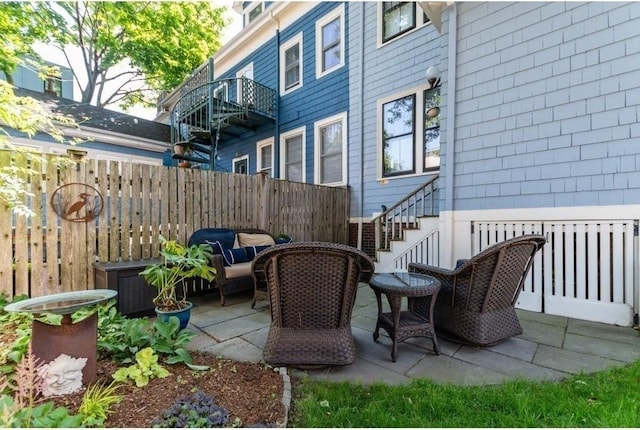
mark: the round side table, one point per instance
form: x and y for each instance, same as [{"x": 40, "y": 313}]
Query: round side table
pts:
[{"x": 401, "y": 325}]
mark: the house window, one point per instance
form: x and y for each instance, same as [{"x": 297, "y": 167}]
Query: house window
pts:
[
  {"x": 241, "y": 165},
  {"x": 291, "y": 64},
  {"x": 409, "y": 133},
  {"x": 432, "y": 102},
  {"x": 264, "y": 149},
  {"x": 397, "y": 18},
  {"x": 221, "y": 91},
  {"x": 398, "y": 136},
  {"x": 53, "y": 86},
  {"x": 254, "y": 13},
  {"x": 293, "y": 155},
  {"x": 330, "y": 149},
  {"x": 330, "y": 42}
]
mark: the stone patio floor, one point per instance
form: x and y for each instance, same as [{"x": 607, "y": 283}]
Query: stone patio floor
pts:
[{"x": 550, "y": 348}]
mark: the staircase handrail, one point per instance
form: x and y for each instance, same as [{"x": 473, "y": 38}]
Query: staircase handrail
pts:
[{"x": 391, "y": 223}]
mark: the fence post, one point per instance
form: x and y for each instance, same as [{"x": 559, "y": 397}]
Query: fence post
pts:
[{"x": 263, "y": 200}]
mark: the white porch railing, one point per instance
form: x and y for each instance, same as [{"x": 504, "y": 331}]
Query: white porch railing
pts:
[{"x": 586, "y": 270}]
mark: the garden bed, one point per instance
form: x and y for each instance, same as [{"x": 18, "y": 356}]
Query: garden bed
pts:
[{"x": 251, "y": 393}]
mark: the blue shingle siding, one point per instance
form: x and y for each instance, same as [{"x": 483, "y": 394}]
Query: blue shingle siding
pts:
[
  {"x": 564, "y": 80},
  {"x": 376, "y": 73},
  {"x": 315, "y": 100}
]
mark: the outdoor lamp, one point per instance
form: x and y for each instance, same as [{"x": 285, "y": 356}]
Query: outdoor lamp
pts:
[{"x": 433, "y": 76}]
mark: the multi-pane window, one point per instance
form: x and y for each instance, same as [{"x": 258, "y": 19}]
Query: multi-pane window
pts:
[
  {"x": 409, "y": 133},
  {"x": 255, "y": 12},
  {"x": 432, "y": 103},
  {"x": 291, "y": 64},
  {"x": 330, "y": 147},
  {"x": 397, "y": 18},
  {"x": 265, "y": 156},
  {"x": 331, "y": 45},
  {"x": 293, "y": 158},
  {"x": 330, "y": 42},
  {"x": 398, "y": 136}
]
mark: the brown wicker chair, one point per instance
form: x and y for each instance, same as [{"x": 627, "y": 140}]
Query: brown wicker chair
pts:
[
  {"x": 477, "y": 298},
  {"x": 312, "y": 288}
]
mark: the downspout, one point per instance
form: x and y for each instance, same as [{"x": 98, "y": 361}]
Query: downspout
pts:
[
  {"x": 214, "y": 146},
  {"x": 361, "y": 102},
  {"x": 276, "y": 131},
  {"x": 451, "y": 127}
]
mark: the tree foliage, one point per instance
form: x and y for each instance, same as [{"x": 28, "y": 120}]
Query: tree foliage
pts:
[
  {"x": 22, "y": 24},
  {"x": 159, "y": 42}
]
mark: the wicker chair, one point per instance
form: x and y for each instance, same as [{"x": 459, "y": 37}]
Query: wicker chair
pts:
[
  {"x": 477, "y": 300},
  {"x": 312, "y": 288}
]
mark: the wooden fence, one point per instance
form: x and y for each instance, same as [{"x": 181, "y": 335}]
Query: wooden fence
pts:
[{"x": 48, "y": 254}]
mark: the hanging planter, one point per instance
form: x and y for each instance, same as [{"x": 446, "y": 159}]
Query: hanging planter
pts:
[{"x": 178, "y": 149}]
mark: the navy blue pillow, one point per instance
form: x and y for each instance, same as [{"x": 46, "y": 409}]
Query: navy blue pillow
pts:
[
  {"x": 225, "y": 236},
  {"x": 252, "y": 251},
  {"x": 215, "y": 246},
  {"x": 230, "y": 256},
  {"x": 234, "y": 255},
  {"x": 280, "y": 240}
]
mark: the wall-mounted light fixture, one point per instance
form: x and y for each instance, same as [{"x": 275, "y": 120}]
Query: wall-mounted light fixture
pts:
[{"x": 433, "y": 76}]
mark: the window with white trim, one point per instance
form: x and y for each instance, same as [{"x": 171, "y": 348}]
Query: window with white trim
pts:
[
  {"x": 397, "y": 18},
  {"x": 291, "y": 64},
  {"x": 330, "y": 148},
  {"x": 253, "y": 13},
  {"x": 409, "y": 133},
  {"x": 292, "y": 158},
  {"x": 241, "y": 164},
  {"x": 221, "y": 91},
  {"x": 264, "y": 149},
  {"x": 398, "y": 136},
  {"x": 330, "y": 42}
]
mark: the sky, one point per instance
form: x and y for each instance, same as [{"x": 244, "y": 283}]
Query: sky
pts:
[{"x": 56, "y": 57}]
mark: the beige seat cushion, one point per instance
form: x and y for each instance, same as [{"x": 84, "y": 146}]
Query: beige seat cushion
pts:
[
  {"x": 238, "y": 270},
  {"x": 255, "y": 239}
]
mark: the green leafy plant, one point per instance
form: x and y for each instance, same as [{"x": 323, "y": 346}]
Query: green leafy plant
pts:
[
  {"x": 170, "y": 340},
  {"x": 19, "y": 410},
  {"x": 96, "y": 404},
  {"x": 123, "y": 345},
  {"x": 196, "y": 411},
  {"x": 145, "y": 368},
  {"x": 179, "y": 263},
  {"x": 18, "y": 323}
]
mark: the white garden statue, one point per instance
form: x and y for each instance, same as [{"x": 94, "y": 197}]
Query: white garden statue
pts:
[{"x": 62, "y": 375}]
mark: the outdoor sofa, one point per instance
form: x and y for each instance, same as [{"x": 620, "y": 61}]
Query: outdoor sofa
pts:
[{"x": 234, "y": 250}]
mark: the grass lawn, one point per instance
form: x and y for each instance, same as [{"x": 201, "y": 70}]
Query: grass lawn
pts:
[{"x": 605, "y": 399}]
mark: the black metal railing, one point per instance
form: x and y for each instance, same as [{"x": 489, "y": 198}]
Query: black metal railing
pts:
[{"x": 214, "y": 105}]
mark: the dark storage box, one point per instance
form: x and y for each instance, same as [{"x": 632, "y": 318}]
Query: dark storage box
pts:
[{"x": 135, "y": 296}]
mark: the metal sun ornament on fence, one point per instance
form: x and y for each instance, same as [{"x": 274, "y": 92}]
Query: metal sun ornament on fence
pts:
[{"x": 77, "y": 202}]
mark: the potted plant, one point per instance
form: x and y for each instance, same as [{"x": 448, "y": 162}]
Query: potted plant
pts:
[{"x": 178, "y": 264}]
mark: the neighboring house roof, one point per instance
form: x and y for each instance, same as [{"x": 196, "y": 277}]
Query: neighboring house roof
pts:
[{"x": 96, "y": 118}]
